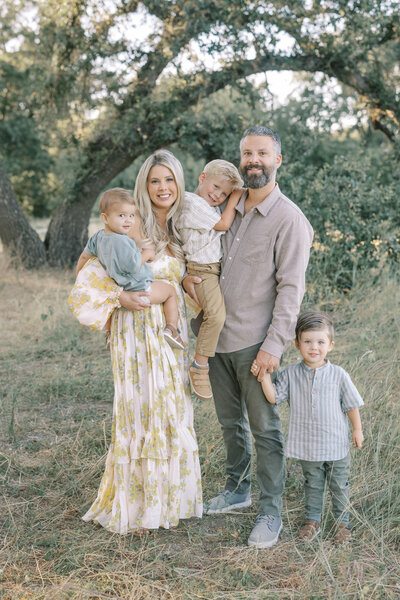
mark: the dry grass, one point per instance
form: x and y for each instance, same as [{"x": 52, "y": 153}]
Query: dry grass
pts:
[{"x": 56, "y": 407}]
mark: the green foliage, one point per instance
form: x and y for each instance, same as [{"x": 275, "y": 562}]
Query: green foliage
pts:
[
  {"x": 26, "y": 159},
  {"x": 352, "y": 202}
]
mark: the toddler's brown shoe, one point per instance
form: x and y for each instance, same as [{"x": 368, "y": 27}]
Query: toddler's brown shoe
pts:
[
  {"x": 200, "y": 382},
  {"x": 343, "y": 533},
  {"x": 309, "y": 531}
]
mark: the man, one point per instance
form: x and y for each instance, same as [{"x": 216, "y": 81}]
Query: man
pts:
[{"x": 265, "y": 256}]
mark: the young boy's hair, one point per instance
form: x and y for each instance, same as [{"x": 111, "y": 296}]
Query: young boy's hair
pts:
[
  {"x": 314, "y": 321},
  {"x": 114, "y": 196},
  {"x": 223, "y": 168}
]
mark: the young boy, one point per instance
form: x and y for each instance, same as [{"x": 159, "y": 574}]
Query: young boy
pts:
[
  {"x": 320, "y": 395},
  {"x": 122, "y": 260},
  {"x": 201, "y": 225}
]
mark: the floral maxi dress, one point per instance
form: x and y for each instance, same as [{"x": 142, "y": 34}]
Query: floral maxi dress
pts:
[{"x": 152, "y": 473}]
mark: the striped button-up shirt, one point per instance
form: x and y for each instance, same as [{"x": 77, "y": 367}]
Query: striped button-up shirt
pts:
[
  {"x": 319, "y": 400},
  {"x": 201, "y": 243},
  {"x": 265, "y": 256}
]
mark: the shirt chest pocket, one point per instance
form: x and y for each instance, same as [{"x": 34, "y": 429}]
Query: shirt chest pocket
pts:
[{"x": 257, "y": 249}]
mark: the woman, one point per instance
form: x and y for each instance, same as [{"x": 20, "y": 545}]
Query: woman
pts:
[{"x": 152, "y": 474}]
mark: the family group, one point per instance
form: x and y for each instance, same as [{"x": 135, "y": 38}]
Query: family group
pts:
[{"x": 239, "y": 248}]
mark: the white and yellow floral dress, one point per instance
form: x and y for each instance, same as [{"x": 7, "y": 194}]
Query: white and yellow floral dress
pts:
[{"x": 152, "y": 475}]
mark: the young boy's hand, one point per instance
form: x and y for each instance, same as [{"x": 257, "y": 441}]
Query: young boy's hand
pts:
[
  {"x": 235, "y": 196},
  {"x": 357, "y": 438},
  {"x": 266, "y": 383}
]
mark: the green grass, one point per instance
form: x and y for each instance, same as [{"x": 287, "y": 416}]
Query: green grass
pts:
[{"x": 56, "y": 404}]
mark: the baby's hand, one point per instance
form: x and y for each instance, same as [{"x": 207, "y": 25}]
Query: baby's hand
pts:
[
  {"x": 357, "y": 438},
  {"x": 235, "y": 196},
  {"x": 148, "y": 254}
]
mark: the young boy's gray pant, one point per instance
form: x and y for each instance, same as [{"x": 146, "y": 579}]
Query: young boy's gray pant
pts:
[
  {"x": 336, "y": 475},
  {"x": 242, "y": 407}
]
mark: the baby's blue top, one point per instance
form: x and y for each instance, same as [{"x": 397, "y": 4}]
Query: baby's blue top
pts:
[{"x": 119, "y": 255}]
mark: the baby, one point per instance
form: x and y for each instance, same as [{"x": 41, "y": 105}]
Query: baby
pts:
[{"x": 122, "y": 260}]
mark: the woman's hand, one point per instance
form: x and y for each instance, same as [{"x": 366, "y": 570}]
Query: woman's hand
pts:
[
  {"x": 134, "y": 300},
  {"x": 189, "y": 286}
]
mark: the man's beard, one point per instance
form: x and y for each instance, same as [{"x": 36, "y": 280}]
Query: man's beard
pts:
[{"x": 254, "y": 181}]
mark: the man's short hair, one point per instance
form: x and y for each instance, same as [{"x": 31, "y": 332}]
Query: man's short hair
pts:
[
  {"x": 223, "y": 168},
  {"x": 314, "y": 321},
  {"x": 114, "y": 196},
  {"x": 261, "y": 130}
]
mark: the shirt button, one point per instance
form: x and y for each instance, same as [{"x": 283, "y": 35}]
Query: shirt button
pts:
[
  {"x": 222, "y": 277},
  {"x": 230, "y": 257},
  {"x": 237, "y": 239}
]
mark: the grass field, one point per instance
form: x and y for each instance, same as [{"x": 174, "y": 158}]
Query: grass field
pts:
[{"x": 56, "y": 406}]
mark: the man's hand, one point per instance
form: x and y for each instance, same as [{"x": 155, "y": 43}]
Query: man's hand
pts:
[
  {"x": 189, "y": 286},
  {"x": 264, "y": 363},
  {"x": 134, "y": 300}
]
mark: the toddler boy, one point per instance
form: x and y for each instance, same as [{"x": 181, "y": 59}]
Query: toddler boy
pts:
[
  {"x": 122, "y": 260},
  {"x": 320, "y": 395},
  {"x": 201, "y": 226}
]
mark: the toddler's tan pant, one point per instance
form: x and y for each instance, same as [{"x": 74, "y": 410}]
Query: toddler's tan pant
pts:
[{"x": 212, "y": 302}]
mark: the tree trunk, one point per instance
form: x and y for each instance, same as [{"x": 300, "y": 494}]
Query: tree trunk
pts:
[
  {"x": 19, "y": 239},
  {"x": 67, "y": 233}
]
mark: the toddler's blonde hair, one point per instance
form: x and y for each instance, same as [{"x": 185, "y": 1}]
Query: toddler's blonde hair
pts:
[
  {"x": 223, "y": 168},
  {"x": 114, "y": 196}
]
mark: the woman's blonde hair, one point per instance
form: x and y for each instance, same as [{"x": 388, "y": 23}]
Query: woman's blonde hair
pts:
[{"x": 141, "y": 197}]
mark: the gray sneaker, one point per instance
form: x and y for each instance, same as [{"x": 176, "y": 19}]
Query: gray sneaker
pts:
[
  {"x": 266, "y": 531},
  {"x": 226, "y": 501}
]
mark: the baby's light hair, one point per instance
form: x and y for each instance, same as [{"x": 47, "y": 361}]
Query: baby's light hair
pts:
[
  {"x": 314, "y": 321},
  {"x": 223, "y": 168},
  {"x": 114, "y": 196}
]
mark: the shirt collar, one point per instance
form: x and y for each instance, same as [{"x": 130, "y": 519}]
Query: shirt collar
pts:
[
  {"x": 308, "y": 369},
  {"x": 265, "y": 206}
]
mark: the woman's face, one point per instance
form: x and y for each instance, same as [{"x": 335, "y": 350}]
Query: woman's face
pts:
[{"x": 162, "y": 188}]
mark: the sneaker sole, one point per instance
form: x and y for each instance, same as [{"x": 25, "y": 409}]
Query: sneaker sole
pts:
[
  {"x": 198, "y": 395},
  {"x": 173, "y": 342},
  {"x": 229, "y": 508},
  {"x": 266, "y": 544}
]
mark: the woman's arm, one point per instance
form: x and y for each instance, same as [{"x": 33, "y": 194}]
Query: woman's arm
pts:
[{"x": 82, "y": 260}]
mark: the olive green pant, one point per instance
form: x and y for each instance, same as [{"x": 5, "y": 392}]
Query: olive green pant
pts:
[
  {"x": 333, "y": 473},
  {"x": 242, "y": 409},
  {"x": 213, "y": 305}
]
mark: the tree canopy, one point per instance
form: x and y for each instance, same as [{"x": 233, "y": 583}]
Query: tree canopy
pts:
[{"x": 91, "y": 85}]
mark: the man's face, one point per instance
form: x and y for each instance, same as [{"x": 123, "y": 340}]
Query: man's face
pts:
[{"x": 258, "y": 161}]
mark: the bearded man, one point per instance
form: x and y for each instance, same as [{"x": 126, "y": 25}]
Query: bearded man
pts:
[{"x": 265, "y": 256}]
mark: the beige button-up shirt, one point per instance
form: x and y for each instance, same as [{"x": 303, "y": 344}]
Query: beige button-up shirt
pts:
[
  {"x": 201, "y": 243},
  {"x": 265, "y": 256}
]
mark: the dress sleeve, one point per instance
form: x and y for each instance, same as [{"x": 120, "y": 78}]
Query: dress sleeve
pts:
[{"x": 94, "y": 296}]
